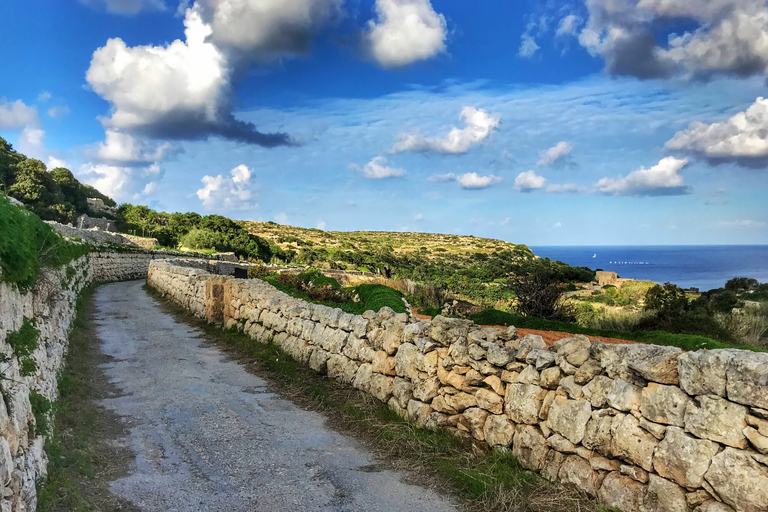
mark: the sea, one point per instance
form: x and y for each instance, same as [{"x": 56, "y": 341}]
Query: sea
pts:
[{"x": 688, "y": 266}]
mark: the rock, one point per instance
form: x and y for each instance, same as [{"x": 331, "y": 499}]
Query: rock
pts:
[
  {"x": 561, "y": 444},
  {"x": 758, "y": 423},
  {"x": 527, "y": 343},
  {"x": 498, "y": 431},
  {"x": 740, "y": 481},
  {"x": 473, "y": 378},
  {"x": 664, "y": 404},
  {"x": 509, "y": 334},
  {"x": 552, "y": 464},
  {"x": 546, "y": 404},
  {"x": 495, "y": 383},
  {"x": 703, "y": 372},
  {"x": 550, "y": 378},
  {"x": 624, "y": 396},
  {"x": 684, "y": 459},
  {"x": 596, "y": 391},
  {"x": 460, "y": 401},
  {"x": 507, "y": 376},
  {"x": 571, "y": 389},
  {"x": 748, "y": 378},
  {"x": 446, "y": 331},
  {"x": 523, "y": 402},
  {"x": 383, "y": 364},
  {"x": 475, "y": 418},
  {"x": 696, "y": 498},
  {"x": 663, "y": 496},
  {"x": 363, "y": 378},
  {"x": 569, "y": 418},
  {"x": 402, "y": 391},
  {"x": 382, "y": 386},
  {"x": 614, "y": 359},
  {"x": 437, "y": 420},
  {"x": 631, "y": 443},
  {"x": 597, "y": 435},
  {"x": 425, "y": 388},
  {"x": 6, "y": 461},
  {"x": 419, "y": 412},
  {"x": 319, "y": 359},
  {"x": 441, "y": 405},
  {"x": 578, "y": 472},
  {"x": 541, "y": 358},
  {"x": 416, "y": 331},
  {"x": 621, "y": 492},
  {"x": 489, "y": 401},
  {"x": 575, "y": 350},
  {"x": 655, "y": 363},
  {"x": 500, "y": 356},
  {"x": 654, "y": 429},
  {"x": 713, "y": 506},
  {"x": 530, "y": 446},
  {"x": 717, "y": 420},
  {"x": 588, "y": 371},
  {"x": 529, "y": 376},
  {"x": 405, "y": 361},
  {"x": 476, "y": 352},
  {"x": 635, "y": 473},
  {"x": 758, "y": 441}
]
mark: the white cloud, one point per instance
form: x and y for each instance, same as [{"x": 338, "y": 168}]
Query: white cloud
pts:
[
  {"x": 506, "y": 221},
  {"x": 728, "y": 36},
  {"x": 663, "y": 179},
  {"x": 528, "y": 181},
  {"x": 267, "y": 29},
  {"x": 568, "y": 25},
  {"x": 377, "y": 169},
  {"x": 177, "y": 91},
  {"x": 119, "y": 182},
  {"x": 558, "y": 225},
  {"x": 741, "y": 224},
  {"x": 123, "y": 149},
  {"x": 564, "y": 188},
  {"x": 126, "y": 7},
  {"x": 405, "y": 31},
  {"x": 555, "y": 153},
  {"x": 418, "y": 217},
  {"x": 535, "y": 28},
  {"x": 320, "y": 225},
  {"x": 58, "y": 111},
  {"x": 54, "y": 162},
  {"x": 480, "y": 125},
  {"x": 16, "y": 115},
  {"x": 470, "y": 180},
  {"x": 281, "y": 218},
  {"x": 528, "y": 46},
  {"x": 43, "y": 97},
  {"x": 220, "y": 193},
  {"x": 743, "y": 138}
]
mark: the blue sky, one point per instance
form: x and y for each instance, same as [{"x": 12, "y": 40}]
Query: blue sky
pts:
[{"x": 545, "y": 123}]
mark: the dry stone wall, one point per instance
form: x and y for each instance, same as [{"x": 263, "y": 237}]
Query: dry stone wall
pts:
[{"x": 644, "y": 428}]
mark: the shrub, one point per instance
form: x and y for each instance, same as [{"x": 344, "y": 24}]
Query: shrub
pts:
[
  {"x": 540, "y": 294},
  {"x": 41, "y": 409},
  {"x": 24, "y": 342}
]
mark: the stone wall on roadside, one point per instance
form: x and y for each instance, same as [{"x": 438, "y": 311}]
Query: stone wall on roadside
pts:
[{"x": 642, "y": 427}]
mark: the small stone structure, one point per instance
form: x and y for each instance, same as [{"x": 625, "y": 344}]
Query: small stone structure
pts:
[
  {"x": 97, "y": 206},
  {"x": 644, "y": 428},
  {"x": 143, "y": 242},
  {"x": 86, "y": 222}
]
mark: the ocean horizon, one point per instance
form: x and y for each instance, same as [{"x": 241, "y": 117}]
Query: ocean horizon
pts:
[{"x": 689, "y": 266}]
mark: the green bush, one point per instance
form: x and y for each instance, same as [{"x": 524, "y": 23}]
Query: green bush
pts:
[
  {"x": 41, "y": 409},
  {"x": 375, "y": 297}
]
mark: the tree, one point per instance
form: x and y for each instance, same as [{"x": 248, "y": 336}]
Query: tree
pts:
[
  {"x": 540, "y": 293},
  {"x": 740, "y": 284},
  {"x": 667, "y": 300}
]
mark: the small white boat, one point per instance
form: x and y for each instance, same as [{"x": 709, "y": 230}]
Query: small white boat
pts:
[{"x": 594, "y": 256}]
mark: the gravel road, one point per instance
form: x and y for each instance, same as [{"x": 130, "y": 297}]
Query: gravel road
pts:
[{"x": 209, "y": 437}]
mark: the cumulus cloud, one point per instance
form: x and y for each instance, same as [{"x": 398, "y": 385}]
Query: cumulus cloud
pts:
[
  {"x": 264, "y": 30},
  {"x": 470, "y": 180},
  {"x": 554, "y": 154},
  {"x": 227, "y": 193},
  {"x": 728, "y": 37},
  {"x": 16, "y": 115},
  {"x": 377, "y": 169},
  {"x": 126, "y": 7},
  {"x": 122, "y": 183},
  {"x": 663, "y": 179},
  {"x": 742, "y": 139},
  {"x": 177, "y": 91},
  {"x": 404, "y": 32},
  {"x": 123, "y": 149},
  {"x": 54, "y": 162},
  {"x": 479, "y": 126},
  {"x": 529, "y": 181}
]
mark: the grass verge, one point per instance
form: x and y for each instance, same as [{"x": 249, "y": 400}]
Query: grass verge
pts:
[
  {"x": 83, "y": 457},
  {"x": 484, "y": 481},
  {"x": 684, "y": 341}
]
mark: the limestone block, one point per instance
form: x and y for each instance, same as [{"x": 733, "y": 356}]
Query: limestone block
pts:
[
  {"x": 635, "y": 473},
  {"x": 498, "y": 430},
  {"x": 757, "y": 440},
  {"x": 664, "y": 404},
  {"x": 383, "y": 364},
  {"x": 713, "y": 506},
  {"x": 624, "y": 396},
  {"x": 446, "y": 331},
  {"x": 588, "y": 371},
  {"x": 440, "y": 404},
  {"x": 569, "y": 418},
  {"x": 614, "y": 359},
  {"x": 425, "y": 388},
  {"x": 529, "y": 375},
  {"x": 363, "y": 378},
  {"x": 597, "y": 435},
  {"x": 476, "y": 352},
  {"x": 663, "y": 496},
  {"x": 359, "y": 326},
  {"x": 550, "y": 378},
  {"x": 336, "y": 365},
  {"x": 561, "y": 444},
  {"x": 495, "y": 383},
  {"x": 489, "y": 400},
  {"x": 758, "y": 423},
  {"x": 546, "y": 404},
  {"x": 575, "y": 350},
  {"x": 523, "y": 402},
  {"x": 716, "y": 419},
  {"x": 402, "y": 391},
  {"x": 621, "y": 492},
  {"x": 631, "y": 443},
  {"x": 530, "y": 446},
  {"x": 499, "y": 355},
  {"x": 428, "y": 363},
  {"x": 656, "y": 430},
  {"x": 414, "y": 331},
  {"x": 684, "y": 459},
  {"x": 540, "y": 358},
  {"x": 703, "y": 372},
  {"x": 739, "y": 480},
  {"x": 578, "y": 472},
  {"x": 460, "y": 401},
  {"x": 353, "y": 346},
  {"x": 596, "y": 390},
  {"x": 747, "y": 381},
  {"x": 473, "y": 378},
  {"x": 419, "y": 412},
  {"x": 475, "y": 420},
  {"x": 382, "y": 386},
  {"x": 405, "y": 361},
  {"x": 569, "y": 386},
  {"x": 527, "y": 343}
]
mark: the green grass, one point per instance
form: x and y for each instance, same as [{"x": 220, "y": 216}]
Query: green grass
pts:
[
  {"x": 41, "y": 409},
  {"x": 24, "y": 342},
  {"x": 684, "y": 341},
  {"x": 436, "y": 458}
]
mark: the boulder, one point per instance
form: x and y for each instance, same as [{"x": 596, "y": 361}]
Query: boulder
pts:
[
  {"x": 739, "y": 480},
  {"x": 578, "y": 472},
  {"x": 747, "y": 381},
  {"x": 405, "y": 361},
  {"x": 490, "y": 401},
  {"x": 498, "y": 430},
  {"x": 446, "y": 331},
  {"x": 402, "y": 391},
  {"x": 621, "y": 492},
  {"x": 550, "y": 378},
  {"x": 571, "y": 389},
  {"x": 575, "y": 350},
  {"x": 664, "y": 404},
  {"x": 569, "y": 418},
  {"x": 588, "y": 371},
  {"x": 523, "y": 402},
  {"x": 624, "y": 396},
  {"x": 596, "y": 390},
  {"x": 655, "y": 363},
  {"x": 663, "y": 496},
  {"x": 475, "y": 419},
  {"x": 460, "y": 401},
  {"x": 530, "y": 446},
  {"x": 425, "y": 388},
  {"x": 383, "y": 363},
  {"x": 703, "y": 372},
  {"x": 631, "y": 443},
  {"x": 597, "y": 435},
  {"x": 527, "y": 343},
  {"x": 716, "y": 419},
  {"x": 499, "y": 355},
  {"x": 683, "y": 458}
]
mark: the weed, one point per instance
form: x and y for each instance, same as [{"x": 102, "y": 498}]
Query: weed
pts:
[
  {"x": 24, "y": 342},
  {"x": 41, "y": 409}
]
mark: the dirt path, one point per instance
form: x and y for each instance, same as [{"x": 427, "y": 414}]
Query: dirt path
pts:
[{"x": 208, "y": 436}]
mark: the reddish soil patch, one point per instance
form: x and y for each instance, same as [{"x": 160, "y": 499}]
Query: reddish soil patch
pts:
[{"x": 549, "y": 336}]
